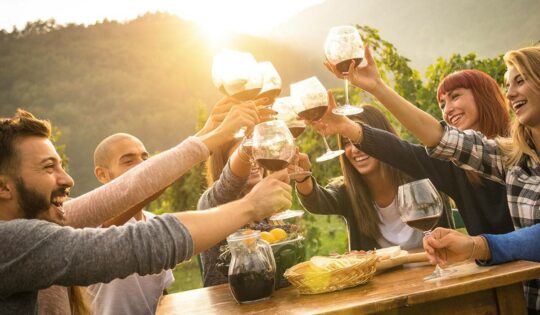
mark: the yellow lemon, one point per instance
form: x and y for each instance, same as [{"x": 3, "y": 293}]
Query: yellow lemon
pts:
[
  {"x": 279, "y": 234},
  {"x": 267, "y": 236}
]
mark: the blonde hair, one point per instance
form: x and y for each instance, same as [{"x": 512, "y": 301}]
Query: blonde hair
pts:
[{"x": 527, "y": 63}]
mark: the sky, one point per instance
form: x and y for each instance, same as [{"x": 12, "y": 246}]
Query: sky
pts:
[{"x": 255, "y": 17}]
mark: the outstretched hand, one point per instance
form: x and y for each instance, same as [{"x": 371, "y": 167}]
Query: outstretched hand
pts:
[
  {"x": 270, "y": 195},
  {"x": 446, "y": 246},
  {"x": 366, "y": 77}
]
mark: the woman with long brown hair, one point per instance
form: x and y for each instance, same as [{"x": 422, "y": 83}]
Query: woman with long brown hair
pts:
[{"x": 365, "y": 195}]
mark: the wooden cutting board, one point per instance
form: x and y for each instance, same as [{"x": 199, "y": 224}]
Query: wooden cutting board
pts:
[{"x": 400, "y": 260}]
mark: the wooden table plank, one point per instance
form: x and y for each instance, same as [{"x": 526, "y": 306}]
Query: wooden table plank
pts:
[{"x": 385, "y": 292}]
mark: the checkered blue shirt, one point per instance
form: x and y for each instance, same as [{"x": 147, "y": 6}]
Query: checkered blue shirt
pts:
[{"x": 471, "y": 150}]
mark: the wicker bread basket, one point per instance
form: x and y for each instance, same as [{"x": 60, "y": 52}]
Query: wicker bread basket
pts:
[{"x": 326, "y": 274}]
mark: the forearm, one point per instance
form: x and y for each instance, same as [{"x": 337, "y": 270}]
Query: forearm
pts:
[
  {"x": 221, "y": 221},
  {"x": 135, "y": 186},
  {"x": 421, "y": 124},
  {"x": 240, "y": 164},
  {"x": 226, "y": 189},
  {"x": 67, "y": 256},
  {"x": 321, "y": 200},
  {"x": 521, "y": 244}
]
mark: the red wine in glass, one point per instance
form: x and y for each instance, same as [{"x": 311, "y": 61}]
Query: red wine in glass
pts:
[
  {"x": 344, "y": 65},
  {"x": 314, "y": 113},
  {"x": 425, "y": 223},
  {"x": 297, "y": 131},
  {"x": 273, "y": 165}
]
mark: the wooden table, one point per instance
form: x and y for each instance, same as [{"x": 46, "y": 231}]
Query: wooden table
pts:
[{"x": 400, "y": 291}]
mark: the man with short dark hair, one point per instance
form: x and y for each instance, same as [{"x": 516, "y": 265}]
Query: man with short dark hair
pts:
[{"x": 36, "y": 252}]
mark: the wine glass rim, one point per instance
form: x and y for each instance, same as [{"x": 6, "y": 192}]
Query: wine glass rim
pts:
[{"x": 416, "y": 182}]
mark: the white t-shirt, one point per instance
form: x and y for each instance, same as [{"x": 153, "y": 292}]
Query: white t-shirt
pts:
[
  {"x": 394, "y": 231},
  {"x": 133, "y": 295}
]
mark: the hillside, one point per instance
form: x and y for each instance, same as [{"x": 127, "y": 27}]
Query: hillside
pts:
[
  {"x": 145, "y": 77},
  {"x": 423, "y": 30}
]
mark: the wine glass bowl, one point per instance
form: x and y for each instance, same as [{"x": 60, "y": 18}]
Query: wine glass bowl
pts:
[
  {"x": 273, "y": 145},
  {"x": 420, "y": 204},
  {"x": 236, "y": 74},
  {"x": 343, "y": 45},
  {"x": 286, "y": 108},
  {"x": 271, "y": 87},
  {"x": 314, "y": 104}
]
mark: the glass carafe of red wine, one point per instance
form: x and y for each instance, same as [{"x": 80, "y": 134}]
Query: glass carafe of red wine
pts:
[
  {"x": 252, "y": 269},
  {"x": 420, "y": 207},
  {"x": 343, "y": 46}
]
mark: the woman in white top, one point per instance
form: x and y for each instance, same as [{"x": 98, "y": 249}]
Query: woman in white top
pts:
[{"x": 365, "y": 195}]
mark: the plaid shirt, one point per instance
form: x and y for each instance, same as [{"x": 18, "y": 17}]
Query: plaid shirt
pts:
[{"x": 471, "y": 150}]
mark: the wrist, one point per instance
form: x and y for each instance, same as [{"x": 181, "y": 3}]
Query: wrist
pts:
[
  {"x": 379, "y": 89},
  {"x": 303, "y": 180},
  {"x": 480, "y": 249},
  {"x": 214, "y": 139},
  {"x": 247, "y": 208}
]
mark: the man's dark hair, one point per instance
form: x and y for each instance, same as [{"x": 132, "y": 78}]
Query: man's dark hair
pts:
[{"x": 23, "y": 124}]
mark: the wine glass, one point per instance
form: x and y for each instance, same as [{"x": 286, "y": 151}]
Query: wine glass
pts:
[
  {"x": 271, "y": 82},
  {"x": 314, "y": 103},
  {"x": 420, "y": 207},
  {"x": 237, "y": 74},
  {"x": 285, "y": 109},
  {"x": 273, "y": 146},
  {"x": 343, "y": 46}
]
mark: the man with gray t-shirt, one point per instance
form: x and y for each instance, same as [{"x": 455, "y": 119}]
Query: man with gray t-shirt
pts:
[
  {"x": 36, "y": 251},
  {"x": 135, "y": 294}
]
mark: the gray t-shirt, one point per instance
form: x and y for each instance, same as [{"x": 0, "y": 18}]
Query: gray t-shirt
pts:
[{"x": 35, "y": 254}]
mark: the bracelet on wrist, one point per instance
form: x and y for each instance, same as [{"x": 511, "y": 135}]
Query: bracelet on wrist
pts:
[
  {"x": 471, "y": 256},
  {"x": 303, "y": 180}
]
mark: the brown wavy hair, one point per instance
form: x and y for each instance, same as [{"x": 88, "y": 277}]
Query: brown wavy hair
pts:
[{"x": 367, "y": 218}]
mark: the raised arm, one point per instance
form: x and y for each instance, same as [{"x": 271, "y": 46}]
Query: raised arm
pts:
[
  {"x": 425, "y": 127},
  {"x": 146, "y": 179}
]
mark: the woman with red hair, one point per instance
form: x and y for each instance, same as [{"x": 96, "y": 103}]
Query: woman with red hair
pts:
[{"x": 468, "y": 99}]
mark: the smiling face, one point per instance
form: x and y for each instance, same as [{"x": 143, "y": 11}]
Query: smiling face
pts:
[
  {"x": 42, "y": 185},
  {"x": 523, "y": 97},
  {"x": 122, "y": 154},
  {"x": 459, "y": 109},
  {"x": 363, "y": 163}
]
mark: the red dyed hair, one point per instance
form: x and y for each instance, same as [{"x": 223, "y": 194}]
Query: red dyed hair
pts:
[{"x": 493, "y": 112}]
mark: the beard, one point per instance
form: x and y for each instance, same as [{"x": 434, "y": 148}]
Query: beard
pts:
[{"x": 33, "y": 204}]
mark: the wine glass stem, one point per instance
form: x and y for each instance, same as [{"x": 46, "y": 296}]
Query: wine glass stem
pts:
[
  {"x": 346, "y": 91},
  {"x": 326, "y": 143}
]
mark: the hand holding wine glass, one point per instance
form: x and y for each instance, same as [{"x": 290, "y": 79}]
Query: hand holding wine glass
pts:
[
  {"x": 237, "y": 74},
  {"x": 314, "y": 104},
  {"x": 366, "y": 77},
  {"x": 243, "y": 115},
  {"x": 420, "y": 207},
  {"x": 343, "y": 49},
  {"x": 331, "y": 124}
]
